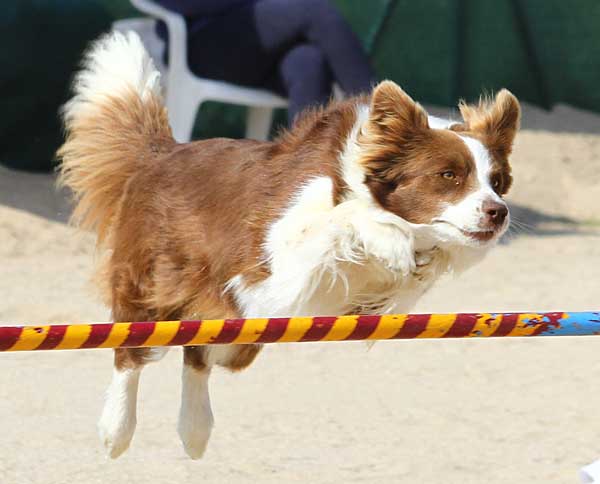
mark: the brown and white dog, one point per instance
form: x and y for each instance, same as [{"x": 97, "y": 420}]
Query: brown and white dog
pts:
[{"x": 357, "y": 209}]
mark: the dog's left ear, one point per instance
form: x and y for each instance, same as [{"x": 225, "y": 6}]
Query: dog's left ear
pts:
[
  {"x": 394, "y": 113},
  {"x": 395, "y": 123},
  {"x": 498, "y": 121}
]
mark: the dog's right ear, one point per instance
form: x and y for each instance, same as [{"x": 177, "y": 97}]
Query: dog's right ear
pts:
[
  {"x": 497, "y": 120},
  {"x": 394, "y": 113}
]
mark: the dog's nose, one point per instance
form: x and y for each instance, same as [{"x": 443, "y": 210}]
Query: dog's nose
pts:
[{"x": 495, "y": 213}]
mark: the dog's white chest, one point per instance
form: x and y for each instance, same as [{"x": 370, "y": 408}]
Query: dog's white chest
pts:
[{"x": 365, "y": 288}]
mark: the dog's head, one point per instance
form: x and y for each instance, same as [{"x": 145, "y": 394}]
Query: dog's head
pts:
[{"x": 451, "y": 180}]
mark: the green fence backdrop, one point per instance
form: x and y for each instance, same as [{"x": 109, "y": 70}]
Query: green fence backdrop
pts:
[{"x": 546, "y": 51}]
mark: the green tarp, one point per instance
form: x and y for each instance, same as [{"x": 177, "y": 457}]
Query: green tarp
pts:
[{"x": 545, "y": 51}]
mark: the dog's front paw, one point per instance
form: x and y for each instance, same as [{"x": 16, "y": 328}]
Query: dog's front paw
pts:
[
  {"x": 195, "y": 436},
  {"x": 374, "y": 233},
  {"x": 392, "y": 249},
  {"x": 425, "y": 257},
  {"x": 428, "y": 263}
]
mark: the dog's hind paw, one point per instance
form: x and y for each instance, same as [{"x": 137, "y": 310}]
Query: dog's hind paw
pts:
[
  {"x": 195, "y": 440},
  {"x": 117, "y": 422},
  {"x": 116, "y": 439},
  {"x": 115, "y": 431}
]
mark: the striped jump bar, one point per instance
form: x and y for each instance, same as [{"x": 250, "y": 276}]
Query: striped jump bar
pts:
[{"x": 288, "y": 330}]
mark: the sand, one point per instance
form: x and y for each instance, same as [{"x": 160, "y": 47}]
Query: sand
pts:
[{"x": 470, "y": 411}]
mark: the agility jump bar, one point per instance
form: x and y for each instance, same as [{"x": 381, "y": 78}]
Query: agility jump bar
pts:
[{"x": 297, "y": 329}]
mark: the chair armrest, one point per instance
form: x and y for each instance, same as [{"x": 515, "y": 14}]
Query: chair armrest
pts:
[{"x": 177, "y": 32}]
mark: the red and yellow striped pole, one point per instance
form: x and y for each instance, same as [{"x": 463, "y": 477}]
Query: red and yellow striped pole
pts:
[{"x": 287, "y": 330}]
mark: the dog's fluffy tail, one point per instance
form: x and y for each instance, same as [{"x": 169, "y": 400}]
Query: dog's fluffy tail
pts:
[{"x": 116, "y": 125}]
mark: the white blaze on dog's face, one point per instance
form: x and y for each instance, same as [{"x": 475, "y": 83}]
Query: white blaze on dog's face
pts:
[{"x": 451, "y": 179}]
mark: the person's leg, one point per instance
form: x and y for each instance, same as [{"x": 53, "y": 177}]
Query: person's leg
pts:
[
  {"x": 255, "y": 46},
  {"x": 245, "y": 45},
  {"x": 305, "y": 76},
  {"x": 281, "y": 23},
  {"x": 229, "y": 49}
]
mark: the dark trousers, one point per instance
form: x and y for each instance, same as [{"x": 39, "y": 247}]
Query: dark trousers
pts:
[{"x": 296, "y": 48}]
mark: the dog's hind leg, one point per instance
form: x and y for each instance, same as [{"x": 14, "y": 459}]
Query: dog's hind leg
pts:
[
  {"x": 195, "y": 416},
  {"x": 118, "y": 420}
]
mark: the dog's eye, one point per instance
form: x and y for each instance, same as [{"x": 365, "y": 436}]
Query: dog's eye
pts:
[
  {"x": 449, "y": 175},
  {"x": 496, "y": 183}
]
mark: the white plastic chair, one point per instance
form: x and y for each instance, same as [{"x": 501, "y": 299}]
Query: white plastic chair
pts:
[{"x": 185, "y": 92}]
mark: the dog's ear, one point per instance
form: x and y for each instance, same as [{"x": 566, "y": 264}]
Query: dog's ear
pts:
[
  {"x": 497, "y": 120},
  {"x": 394, "y": 113},
  {"x": 395, "y": 123}
]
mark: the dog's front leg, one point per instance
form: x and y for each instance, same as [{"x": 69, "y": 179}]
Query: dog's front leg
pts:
[{"x": 371, "y": 232}]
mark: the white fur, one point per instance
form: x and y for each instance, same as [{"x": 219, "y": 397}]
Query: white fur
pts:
[
  {"x": 439, "y": 123},
  {"x": 195, "y": 415},
  {"x": 114, "y": 64},
  {"x": 352, "y": 173},
  {"x": 118, "y": 420}
]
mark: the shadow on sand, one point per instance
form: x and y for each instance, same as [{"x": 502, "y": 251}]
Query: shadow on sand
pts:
[{"x": 533, "y": 222}]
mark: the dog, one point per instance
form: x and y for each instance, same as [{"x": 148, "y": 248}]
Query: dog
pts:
[{"x": 357, "y": 209}]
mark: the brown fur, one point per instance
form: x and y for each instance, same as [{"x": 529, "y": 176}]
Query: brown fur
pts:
[
  {"x": 104, "y": 151},
  {"x": 195, "y": 356},
  {"x": 131, "y": 358},
  {"x": 179, "y": 221},
  {"x": 196, "y": 217},
  {"x": 244, "y": 357}
]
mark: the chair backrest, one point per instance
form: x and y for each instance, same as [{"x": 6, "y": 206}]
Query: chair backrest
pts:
[
  {"x": 177, "y": 34},
  {"x": 147, "y": 6}
]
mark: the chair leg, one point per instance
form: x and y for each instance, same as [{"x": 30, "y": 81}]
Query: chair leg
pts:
[
  {"x": 338, "y": 93},
  {"x": 182, "y": 116},
  {"x": 258, "y": 123}
]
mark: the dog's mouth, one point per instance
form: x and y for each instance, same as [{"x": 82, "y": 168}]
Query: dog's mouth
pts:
[{"x": 480, "y": 235}]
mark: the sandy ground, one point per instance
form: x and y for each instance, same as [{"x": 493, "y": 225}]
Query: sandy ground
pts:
[{"x": 432, "y": 412}]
